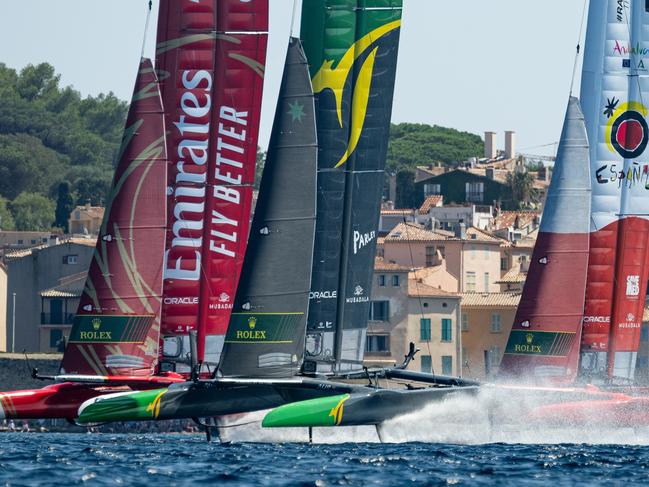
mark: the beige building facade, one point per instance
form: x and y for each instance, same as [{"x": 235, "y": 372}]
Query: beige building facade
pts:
[
  {"x": 434, "y": 328},
  {"x": 486, "y": 321},
  {"x": 21, "y": 240},
  {"x": 86, "y": 220},
  {"x": 473, "y": 257},
  {"x": 404, "y": 309}
]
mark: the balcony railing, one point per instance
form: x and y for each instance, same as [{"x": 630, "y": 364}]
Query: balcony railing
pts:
[{"x": 57, "y": 318}]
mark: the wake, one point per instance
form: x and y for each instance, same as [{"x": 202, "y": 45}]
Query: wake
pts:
[{"x": 494, "y": 415}]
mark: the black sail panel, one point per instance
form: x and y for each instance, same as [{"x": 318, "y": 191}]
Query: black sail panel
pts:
[
  {"x": 265, "y": 337},
  {"x": 328, "y": 33},
  {"x": 352, "y": 49},
  {"x": 375, "y": 73}
]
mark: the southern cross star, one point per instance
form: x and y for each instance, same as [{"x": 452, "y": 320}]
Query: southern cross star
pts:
[{"x": 296, "y": 111}]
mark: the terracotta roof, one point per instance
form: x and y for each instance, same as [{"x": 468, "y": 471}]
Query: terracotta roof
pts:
[
  {"x": 68, "y": 287},
  {"x": 398, "y": 212},
  {"x": 490, "y": 300},
  {"x": 508, "y": 219},
  {"x": 424, "y": 272},
  {"x": 432, "y": 201},
  {"x": 55, "y": 293},
  {"x": 91, "y": 211},
  {"x": 513, "y": 276},
  {"x": 89, "y": 242},
  {"x": 499, "y": 163},
  {"x": 413, "y": 232},
  {"x": 380, "y": 264},
  {"x": 18, "y": 254},
  {"x": 500, "y": 175},
  {"x": 417, "y": 289},
  {"x": 481, "y": 236}
]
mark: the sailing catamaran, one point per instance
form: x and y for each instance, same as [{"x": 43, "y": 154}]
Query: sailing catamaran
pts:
[
  {"x": 146, "y": 292},
  {"x": 595, "y": 299},
  {"x": 295, "y": 342},
  {"x": 113, "y": 344},
  {"x": 264, "y": 363},
  {"x": 581, "y": 311}
]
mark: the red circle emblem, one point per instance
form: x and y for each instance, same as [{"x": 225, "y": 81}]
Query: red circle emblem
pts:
[{"x": 630, "y": 134}]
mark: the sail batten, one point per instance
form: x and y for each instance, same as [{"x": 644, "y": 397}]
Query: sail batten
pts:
[
  {"x": 211, "y": 58},
  {"x": 614, "y": 93},
  {"x": 352, "y": 49},
  {"x": 543, "y": 345},
  {"x": 116, "y": 328},
  {"x": 265, "y": 337}
]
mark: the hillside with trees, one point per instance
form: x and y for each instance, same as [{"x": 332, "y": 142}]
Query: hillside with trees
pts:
[
  {"x": 54, "y": 145},
  {"x": 415, "y": 144},
  {"x": 58, "y": 149}
]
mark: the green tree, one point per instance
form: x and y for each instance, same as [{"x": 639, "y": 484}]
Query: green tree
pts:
[
  {"x": 46, "y": 130},
  {"x": 37, "y": 81},
  {"x": 32, "y": 211},
  {"x": 90, "y": 184},
  {"x": 413, "y": 145},
  {"x": 64, "y": 206},
  {"x": 27, "y": 166},
  {"x": 6, "y": 219},
  {"x": 524, "y": 194}
]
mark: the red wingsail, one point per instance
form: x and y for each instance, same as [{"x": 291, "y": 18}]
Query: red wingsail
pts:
[
  {"x": 210, "y": 58},
  {"x": 117, "y": 326},
  {"x": 543, "y": 345}
]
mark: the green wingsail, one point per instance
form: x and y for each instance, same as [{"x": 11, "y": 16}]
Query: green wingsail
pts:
[
  {"x": 326, "y": 411},
  {"x": 133, "y": 406}
]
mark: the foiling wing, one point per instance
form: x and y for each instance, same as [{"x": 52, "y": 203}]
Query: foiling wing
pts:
[
  {"x": 351, "y": 46},
  {"x": 265, "y": 337},
  {"x": 116, "y": 329},
  {"x": 210, "y": 59},
  {"x": 614, "y": 97},
  {"x": 545, "y": 338}
]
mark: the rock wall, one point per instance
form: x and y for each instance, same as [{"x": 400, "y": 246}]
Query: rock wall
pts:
[{"x": 15, "y": 374}]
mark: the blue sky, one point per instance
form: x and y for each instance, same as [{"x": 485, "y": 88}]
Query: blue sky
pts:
[{"x": 473, "y": 65}]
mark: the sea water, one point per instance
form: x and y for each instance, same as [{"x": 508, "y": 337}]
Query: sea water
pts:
[
  {"x": 453, "y": 442},
  {"x": 110, "y": 459}
]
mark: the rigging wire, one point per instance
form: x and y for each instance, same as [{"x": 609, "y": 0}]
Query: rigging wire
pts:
[
  {"x": 414, "y": 272},
  {"x": 581, "y": 31},
  {"x": 146, "y": 28}
]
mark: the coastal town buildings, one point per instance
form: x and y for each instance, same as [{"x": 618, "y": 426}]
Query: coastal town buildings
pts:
[
  {"x": 387, "y": 339},
  {"x": 472, "y": 256},
  {"x": 38, "y": 309},
  {"x": 11, "y": 240},
  {"x": 404, "y": 309},
  {"x": 58, "y": 307},
  {"x": 482, "y": 187},
  {"x": 516, "y": 225},
  {"x": 86, "y": 220},
  {"x": 486, "y": 321},
  {"x": 390, "y": 218}
]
